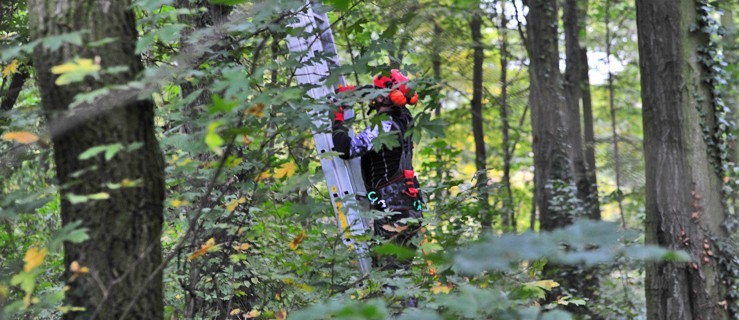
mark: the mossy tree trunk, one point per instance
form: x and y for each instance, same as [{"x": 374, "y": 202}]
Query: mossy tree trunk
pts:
[
  {"x": 124, "y": 248},
  {"x": 683, "y": 188}
]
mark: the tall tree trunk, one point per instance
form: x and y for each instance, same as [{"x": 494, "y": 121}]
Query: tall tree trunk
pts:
[
  {"x": 436, "y": 67},
  {"x": 547, "y": 108},
  {"x": 612, "y": 108},
  {"x": 551, "y": 152},
  {"x": 124, "y": 248},
  {"x": 477, "y": 128},
  {"x": 508, "y": 219},
  {"x": 573, "y": 92},
  {"x": 683, "y": 188},
  {"x": 573, "y": 86},
  {"x": 589, "y": 136}
]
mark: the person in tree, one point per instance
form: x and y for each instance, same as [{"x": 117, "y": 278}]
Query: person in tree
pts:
[{"x": 388, "y": 172}]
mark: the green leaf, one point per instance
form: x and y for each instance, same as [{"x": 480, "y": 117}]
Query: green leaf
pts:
[
  {"x": 219, "y": 105},
  {"x": 99, "y": 196},
  {"x": 341, "y": 5},
  {"x": 110, "y": 151},
  {"x": 75, "y": 199},
  {"x": 212, "y": 139},
  {"x": 391, "y": 249},
  {"x": 71, "y": 232}
]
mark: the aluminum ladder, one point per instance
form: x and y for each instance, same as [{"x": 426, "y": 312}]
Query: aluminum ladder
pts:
[{"x": 343, "y": 177}]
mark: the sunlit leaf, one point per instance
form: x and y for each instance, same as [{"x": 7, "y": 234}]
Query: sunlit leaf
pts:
[
  {"x": 75, "y": 71},
  {"x": 286, "y": 170},
  {"x": 11, "y": 68},
  {"x": 176, "y": 203},
  {"x": 213, "y": 139},
  {"x": 544, "y": 284},
  {"x": 208, "y": 246},
  {"x": 22, "y": 137},
  {"x": 439, "y": 288},
  {"x": 297, "y": 240},
  {"x": 34, "y": 258}
]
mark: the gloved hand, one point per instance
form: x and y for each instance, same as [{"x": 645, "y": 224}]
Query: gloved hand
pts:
[{"x": 339, "y": 112}]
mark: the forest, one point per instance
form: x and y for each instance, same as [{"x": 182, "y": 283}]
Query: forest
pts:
[{"x": 189, "y": 159}]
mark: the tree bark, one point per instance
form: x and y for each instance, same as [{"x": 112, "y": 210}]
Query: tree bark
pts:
[
  {"x": 477, "y": 126},
  {"x": 683, "y": 191},
  {"x": 214, "y": 14},
  {"x": 589, "y": 137},
  {"x": 573, "y": 86},
  {"x": 547, "y": 107},
  {"x": 124, "y": 247},
  {"x": 612, "y": 108},
  {"x": 551, "y": 151},
  {"x": 508, "y": 219},
  {"x": 10, "y": 96}
]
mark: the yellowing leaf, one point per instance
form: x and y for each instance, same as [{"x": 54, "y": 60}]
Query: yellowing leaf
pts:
[
  {"x": 252, "y": 314},
  {"x": 286, "y": 170},
  {"x": 235, "y": 203},
  {"x": 213, "y": 139},
  {"x": 278, "y": 296},
  {"x": 242, "y": 247},
  {"x": 544, "y": 284},
  {"x": 22, "y": 137},
  {"x": 245, "y": 139},
  {"x": 235, "y": 311},
  {"x": 4, "y": 291},
  {"x": 75, "y": 71},
  {"x": 77, "y": 270},
  {"x": 126, "y": 183},
  {"x": 257, "y": 110},
  {"x": 178, "y": 203},
  {"x": 281, "y": 315},
  {"x": 438, "y": 288},
  {"x": 11, "y": 68},
  {"x": 34, "y": 258},
  {"x": 297, "y": 240},
  {"x": 208, "y": 246}
]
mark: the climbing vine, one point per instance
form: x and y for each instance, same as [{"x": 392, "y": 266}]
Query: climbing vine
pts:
[{"x": 719, "y": 139}]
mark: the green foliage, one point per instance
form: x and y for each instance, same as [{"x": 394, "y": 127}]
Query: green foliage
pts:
[{"x": 248, "y": 221}]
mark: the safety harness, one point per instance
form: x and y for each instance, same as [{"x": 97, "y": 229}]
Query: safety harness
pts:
[{"x": 400, "y": 192}]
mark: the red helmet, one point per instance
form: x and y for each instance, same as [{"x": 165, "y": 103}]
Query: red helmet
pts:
[{"x": 397, "y": 82}]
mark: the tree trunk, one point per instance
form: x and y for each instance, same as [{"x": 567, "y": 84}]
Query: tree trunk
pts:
[
  {"x": 436, "y": 67},
  {"x": 547, "y": 107},
  {"x": 214, "y": 14},
  {"x": 10, "y": 96},
  {"x": 551, "y": 152},
  {"x": 683, "y": 188},
  {"x": 612, "y": 108},
  {"x": 477, "y": 128},
  {"x": 572, "y": 88},
  {"x": 508, "y": 219},
  {"x": 589, "y": 137},
  {"x": 124, "y": 247}
]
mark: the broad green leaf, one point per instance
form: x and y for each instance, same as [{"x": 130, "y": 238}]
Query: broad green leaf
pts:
[{"x": 110, "y": 151}]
